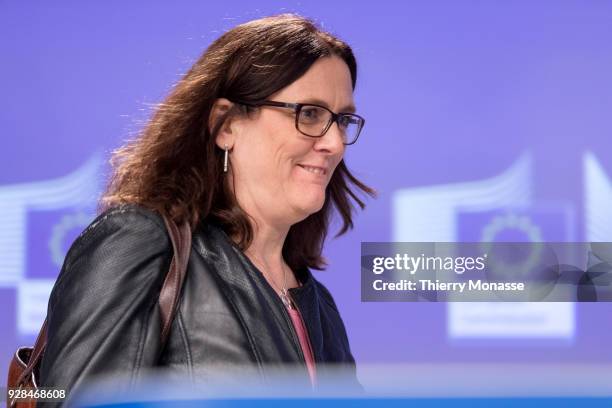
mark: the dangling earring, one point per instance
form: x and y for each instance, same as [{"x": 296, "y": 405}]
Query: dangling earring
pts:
[{"x": 225, "y": 158}]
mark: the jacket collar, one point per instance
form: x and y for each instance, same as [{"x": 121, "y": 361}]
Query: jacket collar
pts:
[{"x": 260, "y": 309}]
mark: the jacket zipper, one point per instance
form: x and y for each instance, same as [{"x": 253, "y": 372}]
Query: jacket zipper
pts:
[
  {"x": 303, "y": 325},
  {"x": 296, "y": 339},
  {"x": 308, "y": 343}
]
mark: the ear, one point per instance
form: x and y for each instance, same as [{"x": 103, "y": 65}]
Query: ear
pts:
[{"x": 220, "y": 108}]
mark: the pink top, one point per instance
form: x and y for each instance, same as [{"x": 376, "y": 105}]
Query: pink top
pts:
[{"x": 298, "y": 323}]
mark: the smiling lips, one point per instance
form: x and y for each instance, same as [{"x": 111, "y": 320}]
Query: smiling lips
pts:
[{"x": 322, "y": 171}]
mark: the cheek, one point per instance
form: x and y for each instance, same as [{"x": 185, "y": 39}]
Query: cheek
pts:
[
  {"x": 256, "y": 153},
  {"x": 335, "y": 169},
  {"x": 338, "y": 161},
  {"x": 270, "y": 171}
]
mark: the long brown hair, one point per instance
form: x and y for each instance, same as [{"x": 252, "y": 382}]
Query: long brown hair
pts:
[{"x": 175, "y": 167}]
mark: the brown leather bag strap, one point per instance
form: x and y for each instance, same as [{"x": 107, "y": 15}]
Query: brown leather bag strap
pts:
[
  {"x": 170, "y": 293},
  {"x": 37, "y": 352},
  {"x": 168, "y": 298}
]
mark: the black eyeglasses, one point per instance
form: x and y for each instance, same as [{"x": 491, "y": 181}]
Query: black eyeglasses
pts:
[{"x": 315, "y": 120}]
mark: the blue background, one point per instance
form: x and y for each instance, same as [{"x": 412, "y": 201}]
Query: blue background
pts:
[{"x": 476, "y": 110}]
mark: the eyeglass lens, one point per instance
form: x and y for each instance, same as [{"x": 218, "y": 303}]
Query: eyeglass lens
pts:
[{"x": 315, "y": 121}]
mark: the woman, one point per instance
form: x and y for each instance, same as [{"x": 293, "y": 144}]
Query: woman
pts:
[{"x": 248, "y": 148}]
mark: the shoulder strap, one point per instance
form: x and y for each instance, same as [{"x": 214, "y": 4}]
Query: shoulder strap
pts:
[
  {"x": 168, "y": 297},
  {"x": 170, "y": 293}
]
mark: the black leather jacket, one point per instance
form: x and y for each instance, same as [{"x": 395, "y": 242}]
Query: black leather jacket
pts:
[{"x": 104, "y": 318}]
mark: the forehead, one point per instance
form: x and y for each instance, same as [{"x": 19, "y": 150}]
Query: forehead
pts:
[{"x": 328, "y": 80}]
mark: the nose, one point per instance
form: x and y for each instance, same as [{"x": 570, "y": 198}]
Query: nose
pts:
[{"x": 332, "y": 141}]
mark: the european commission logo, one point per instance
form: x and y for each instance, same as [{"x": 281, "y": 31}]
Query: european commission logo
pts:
[
  {"x": 40, "y": 220},
  {"x": 503, "y": 209}
]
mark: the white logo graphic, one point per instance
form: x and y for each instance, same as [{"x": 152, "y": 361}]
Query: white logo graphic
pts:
[
  {"x": 430, "y": 214},
  {"x": 597, "y": 201},
  {"x": 79, "y": 189}
]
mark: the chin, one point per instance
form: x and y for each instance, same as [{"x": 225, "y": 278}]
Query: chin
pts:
[{"x": 308, "y": 207}]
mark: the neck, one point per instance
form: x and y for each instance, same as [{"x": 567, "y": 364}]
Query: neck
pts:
[
  {"x": 267, "y": 244},
  {"x": 266, "y": 252},
  {"x": 266, "y": 248}
]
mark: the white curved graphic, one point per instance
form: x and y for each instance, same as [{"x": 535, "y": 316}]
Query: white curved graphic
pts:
[
  {"x": 597, "y": 201},
  {"x": 79, "y": 189},
  {"x": 430, "y": 214}
]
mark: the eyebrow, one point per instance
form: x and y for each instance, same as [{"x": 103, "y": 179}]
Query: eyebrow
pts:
[{"x": 347, "y": 109}]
